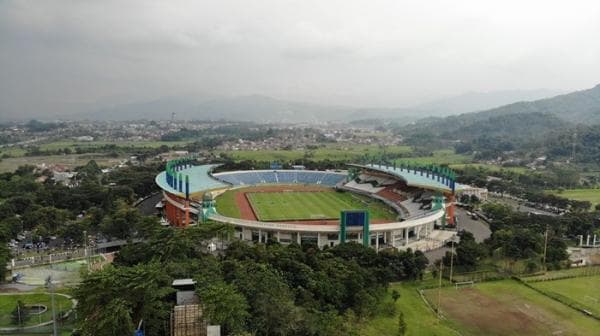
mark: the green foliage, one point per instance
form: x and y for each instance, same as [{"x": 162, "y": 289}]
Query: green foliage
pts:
[
  {"x": 401, "y": 325},
  {"x": 224, "y": 305},
  {"x": 115, "y": 297},
  {"x": 395, "y": 295}
]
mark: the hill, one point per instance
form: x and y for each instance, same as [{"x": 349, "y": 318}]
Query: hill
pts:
[
  {"x": 265, "y": 109},
  {"x": 576, "y": 107},
  {"x": 480, "y": 101},
  {"x": 522, "y": 120}
]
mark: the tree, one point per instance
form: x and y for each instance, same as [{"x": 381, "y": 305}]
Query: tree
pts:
[
  {"x": 401, "y": 325},
  {"x": 116, "y": 296},
  {"x": 4, "y": 259},
  {"x": 225, "y": 306},
  {"x": 395, "y": 295},
  {"x": 117, "y": 322}
]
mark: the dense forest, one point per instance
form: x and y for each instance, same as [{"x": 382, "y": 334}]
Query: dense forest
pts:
[{"x": 261, "y": 289}]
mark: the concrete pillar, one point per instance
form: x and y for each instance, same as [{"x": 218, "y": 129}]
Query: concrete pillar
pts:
[
  {"x": 406, "y": 235},
  {"x": 259, "y": 236},
  {"x": 278, "y": 236},
  {"x": 581, "y": 240},
  {"x": 318, "y": 239},
  {"x": 377, "y": 241},
  {"x": 299, "y": 238},
  {"x": 418, "y": 229},
  {"x": 594, "y": 240},
  {"x": 588, "y": 240}
]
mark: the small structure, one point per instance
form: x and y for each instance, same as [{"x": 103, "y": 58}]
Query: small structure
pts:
[{"x": 187, "y": 318}]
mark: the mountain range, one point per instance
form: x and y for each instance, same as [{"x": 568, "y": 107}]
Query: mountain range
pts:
[{"x": 265, "y": 109}]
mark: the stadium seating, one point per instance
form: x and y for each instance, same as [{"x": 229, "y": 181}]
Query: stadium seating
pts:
[
  {"x": 252, "y": 177},
  {"x": 365, "y": 187}
]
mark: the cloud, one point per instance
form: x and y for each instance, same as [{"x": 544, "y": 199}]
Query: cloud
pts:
[{"x": 378, "y": 52}]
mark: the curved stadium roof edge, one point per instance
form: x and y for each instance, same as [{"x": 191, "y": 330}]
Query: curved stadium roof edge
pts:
[
  {"x": 200, "y": 180},
  {"x": 413, "y": 178}
]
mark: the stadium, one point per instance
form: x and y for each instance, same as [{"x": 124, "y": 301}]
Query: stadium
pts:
[{"x": 374, "y": 204}]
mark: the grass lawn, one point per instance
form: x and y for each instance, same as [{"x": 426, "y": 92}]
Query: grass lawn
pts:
[
  {"x": 72, "y": 144},
  {"x": 226, "y": 205},
  {"x": 301, "y": 205},
  {"x": 590, "y": 195},
  {"x": 439, "y": 157},
  {"x": 9, "y": 302},
  {"x": 332, "y": 152},
  {"x": 564, "y": 273},
  {"x": 491, "y": 167},
  {"x": 584, "y": 291},
  {"x": 509, "y": 308},
  {"x": 420, "y": 319},
  {"x": 71, "y": 161}
]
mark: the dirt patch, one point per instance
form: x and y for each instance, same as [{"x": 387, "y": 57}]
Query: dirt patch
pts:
[{"x": 482, "y": 314}]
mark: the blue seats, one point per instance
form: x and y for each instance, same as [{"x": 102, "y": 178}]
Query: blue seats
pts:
[{"x": 251, "y": 177}]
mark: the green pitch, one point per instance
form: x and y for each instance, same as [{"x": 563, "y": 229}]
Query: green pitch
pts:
[
  {"x": 507, "y": 307},
  {"x": 302, "y": 205},
  {"x": 583, "y": 292},
  {"x": 590, "y": 195}
]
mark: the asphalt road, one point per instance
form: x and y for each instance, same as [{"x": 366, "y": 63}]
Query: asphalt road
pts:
[
  {"x": 478, "y": 228},
  {"x": 521, "y": 207},
  {"x": 147, "y": 207}
]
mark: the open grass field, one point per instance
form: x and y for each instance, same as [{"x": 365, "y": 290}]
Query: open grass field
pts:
[
  {"x": 439, "y": 157},
  {"x": 564, "y": 273},
  {"x": 8, "y": 302},
  {"x": 509, "y": 308},
  {"x": 590, "y": 195},
  {"x": 303, "y": 205},
  {"x": 420, "y": 319},
  {"x": 70, "y": 161},
  {"x": 584, "y": 291},
  {"x": 491, "y": 167},
  {"x": 337, "y": 152}
]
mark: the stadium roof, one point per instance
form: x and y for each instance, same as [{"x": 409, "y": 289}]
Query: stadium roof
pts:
[
  {"x": 200, "y": 180},
  {"x": 413, "y": 178}
]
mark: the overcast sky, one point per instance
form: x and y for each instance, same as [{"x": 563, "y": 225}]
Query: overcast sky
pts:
[{"x": 63, "y": 55}]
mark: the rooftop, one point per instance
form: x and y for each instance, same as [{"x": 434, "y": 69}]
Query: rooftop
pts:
[
  {"x": 200, "y": 180},
  {"x": 413, "y": 178},
  {"x": 183, "y": 282}
]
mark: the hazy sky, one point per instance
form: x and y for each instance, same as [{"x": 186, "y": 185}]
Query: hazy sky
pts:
[{"x": 62, "y": 56}]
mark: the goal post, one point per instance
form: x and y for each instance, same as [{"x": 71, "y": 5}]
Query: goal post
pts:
[{"x": 463, "y": 284}]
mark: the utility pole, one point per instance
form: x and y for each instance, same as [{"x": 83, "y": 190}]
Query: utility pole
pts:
[
  {"x": 439, "y": 311},
  {"x": 51, "y": 288},
  {"x": 545, "y": 248},
  {"x": 85, "y": 250},
  {"x": 451, "y": 258}
]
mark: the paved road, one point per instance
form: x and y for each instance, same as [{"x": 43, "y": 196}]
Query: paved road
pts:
[
  {"x": 147, "y": 207},
  {"x": 521, "y": 207},
  {"x": 478, "y": 228}
]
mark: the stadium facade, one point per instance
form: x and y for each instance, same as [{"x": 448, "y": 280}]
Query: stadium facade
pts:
[{"x": 422, "y": 197}]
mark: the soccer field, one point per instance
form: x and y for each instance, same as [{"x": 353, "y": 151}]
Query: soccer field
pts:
[
  {"x": 590, "y": 195},
  {"x": 301, "y": 205},
  {"x": 584, "y": 291},
  {"x": 509, "y": 308}
]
